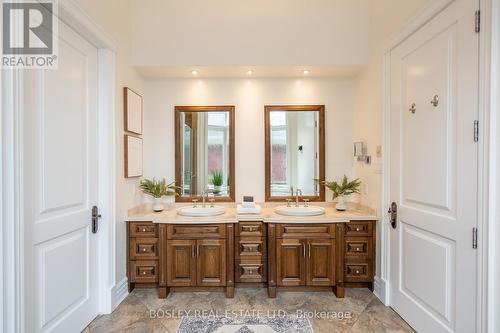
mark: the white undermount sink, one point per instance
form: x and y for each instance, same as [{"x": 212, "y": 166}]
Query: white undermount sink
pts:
[
  {"x": 300, "y": 211},
  {"x": 200, "y": 211}
]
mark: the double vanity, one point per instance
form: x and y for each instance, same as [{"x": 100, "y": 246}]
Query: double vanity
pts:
[
  {"x": 208, "y": 248},
  {"x": 202, "y": 243}
]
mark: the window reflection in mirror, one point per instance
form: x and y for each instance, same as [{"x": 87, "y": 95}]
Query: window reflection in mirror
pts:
[
  {"x": 294, "y": 151},
  {"x": 204, "y": 146}
]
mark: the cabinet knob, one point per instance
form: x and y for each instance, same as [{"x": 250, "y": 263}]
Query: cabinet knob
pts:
[
  {"x": 357, "y": 229},
  {"x": 144, "y": 250},
  {"x": 357, "y": 272},
  {"x": 143, "y": 229},
  {"x": 143, "y": 273}
]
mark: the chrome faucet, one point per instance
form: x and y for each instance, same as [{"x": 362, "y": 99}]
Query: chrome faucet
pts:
[
  {"x": 203, "y": 196},
  {"x": 297, "y": 196}
]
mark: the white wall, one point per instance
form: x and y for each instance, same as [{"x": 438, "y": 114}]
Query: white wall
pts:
[
  {"x": 257, "y": 32},
  {"x": 114, "y": 17},
  {"x": 367, "y": 115},
  {"x": 249, "y": 96},
  {"x": 368, "y": 110}
]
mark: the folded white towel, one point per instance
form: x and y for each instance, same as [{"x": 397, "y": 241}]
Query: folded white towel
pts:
[
  {"x": 248, "y": 204},
  {"x": 246, "y": 210}
]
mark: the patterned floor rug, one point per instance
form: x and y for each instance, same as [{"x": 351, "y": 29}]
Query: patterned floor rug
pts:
[{"x": 244, "y": 325}]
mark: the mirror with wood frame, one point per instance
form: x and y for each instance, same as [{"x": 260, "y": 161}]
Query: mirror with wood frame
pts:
[
  {"x": 295, "y": 151},
  {"x": 204, "y": 152}
]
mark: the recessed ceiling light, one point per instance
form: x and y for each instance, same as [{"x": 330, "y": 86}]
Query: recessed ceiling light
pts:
[
  {"x": 249, "y": 72},
  {"x": 194, "y": 72},
  {"x": 306, "y": 71}
]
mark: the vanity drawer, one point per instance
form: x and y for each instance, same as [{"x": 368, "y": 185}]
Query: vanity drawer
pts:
[
  {"x": 358, "y": 271},
  {"x": 253, "y": 271},
  {"x": 305, "y": 231},
  {"x": 250, "y": 248},
  {"x": 143, "y": 229},
  {"x": 183, "y": 231},
  {"x": 257, "y": 229},
  {"x": 144, "y": 271},
  {"x": 143, "y": 248},
  {"x": 359, "y": 228},
  {"x": 358, "y": 247}
]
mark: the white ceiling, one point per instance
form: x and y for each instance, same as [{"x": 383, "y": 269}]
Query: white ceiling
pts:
[
  {"x": 158, "y": 72},
  {"x": 223, "y": 37}
]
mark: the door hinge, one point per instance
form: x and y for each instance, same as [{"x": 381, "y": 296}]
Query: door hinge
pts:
[
  {"x": 474, "y": 238},
  {"x": 315, "y": 123},
  {"x": 477, "y": 21},
  {"x": 476, "y": 130}
]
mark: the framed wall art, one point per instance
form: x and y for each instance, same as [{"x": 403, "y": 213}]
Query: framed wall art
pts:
[
  {"x": 133, "y": 111},
  {"x": 133, "y": 156}
]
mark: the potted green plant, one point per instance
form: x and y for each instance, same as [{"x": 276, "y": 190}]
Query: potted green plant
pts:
[
  {"x": 158, "y": 189},
  {"x": 341, "y": 190},
  {"x": 217, "y": 181}
]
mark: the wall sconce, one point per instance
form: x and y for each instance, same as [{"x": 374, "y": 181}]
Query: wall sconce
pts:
[{"x": 360, "y": 152}]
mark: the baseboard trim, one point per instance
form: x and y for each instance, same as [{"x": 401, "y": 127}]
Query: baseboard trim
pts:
[
  {"x": 118, "y": 293},
  {"x": 379, "y": 289}
]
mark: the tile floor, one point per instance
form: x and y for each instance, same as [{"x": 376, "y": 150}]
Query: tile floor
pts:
[{"x": 362, "y": 311}]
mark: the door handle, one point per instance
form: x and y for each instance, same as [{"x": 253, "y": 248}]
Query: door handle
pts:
[
  {"x": 193, "y": 252},
  {"x": 393, "y": 210},
  {"x": 309, "y": 250},
  {"x": 304, "y": 249},
  {"x": 95, "y": 219},
  {"x": 198, "y": 251}
]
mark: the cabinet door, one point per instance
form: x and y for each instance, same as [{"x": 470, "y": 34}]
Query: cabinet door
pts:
[
  {"x": 181, "y": 262},
  {"x": 320, "y": 265},
  {"x": 290, "y": 261},
  {"x": 211, "y": 262}
]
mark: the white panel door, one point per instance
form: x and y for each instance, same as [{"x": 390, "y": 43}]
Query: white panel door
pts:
[
  {"x": 434, "y": 172},
  {"x": 60, "y": 188}
]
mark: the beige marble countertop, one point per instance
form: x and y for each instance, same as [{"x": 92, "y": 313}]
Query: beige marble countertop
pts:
[{"x": 169, "y": 215}]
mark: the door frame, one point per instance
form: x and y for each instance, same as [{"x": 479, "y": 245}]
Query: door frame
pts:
[
  {"x": 488, "y": 300},
  {"x": 12, "y": 314}
]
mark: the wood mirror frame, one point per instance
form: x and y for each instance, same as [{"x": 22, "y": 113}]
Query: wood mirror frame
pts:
[
  {"x": 178, "y": 164},
  {"x": 321, "y": 127}
]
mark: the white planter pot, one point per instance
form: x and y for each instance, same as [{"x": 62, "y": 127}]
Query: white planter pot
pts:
[
  {"x": 158, "y": 205},
  {"x": 217, "y": 189},
  {"x": 341, "y": 206}
]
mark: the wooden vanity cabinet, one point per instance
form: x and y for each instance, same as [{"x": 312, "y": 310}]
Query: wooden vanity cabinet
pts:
[
  {"x": 216, "y": 256},
  {"x": 359, "y": 254},
  {"x": 193, "y": 262},
  {"x": 146, "y": 244},
  {"x": 250, "y": 252},
  {"x": 309, "y": 256},
  {"x": 200, "y": 257},
  {"x": 180, "y": 256},
  {"x": 305, "y": 262},
  {"x": 302, "y": 255}
]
